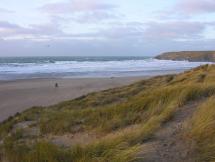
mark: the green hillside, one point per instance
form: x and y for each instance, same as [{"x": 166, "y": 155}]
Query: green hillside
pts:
[{"x": 118, "y": 125}]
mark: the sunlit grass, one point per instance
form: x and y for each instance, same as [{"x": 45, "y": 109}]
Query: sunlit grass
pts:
[{"x": 203, "y": 130}]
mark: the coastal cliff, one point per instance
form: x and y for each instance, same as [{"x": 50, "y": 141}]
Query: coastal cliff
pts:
[{"x": 192, "y": 56}]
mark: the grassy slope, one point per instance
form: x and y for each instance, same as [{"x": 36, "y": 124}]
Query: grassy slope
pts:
[
  {"x": 120, "y": 120},
  {"x": 189, "y": 55},
  {"x": 203, "y": 130}
]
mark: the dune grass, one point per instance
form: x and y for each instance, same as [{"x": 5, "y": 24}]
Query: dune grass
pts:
[
  {"x": 203, "y": 130},
  {"x": 122, "y": 118}
]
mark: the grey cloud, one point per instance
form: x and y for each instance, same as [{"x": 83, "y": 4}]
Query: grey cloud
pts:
[
  {"x": 8, "y": 30},
  {"x": 132, "y": 38},
  {"x": 186, "y": 9},
  {"x": 172, "y": 30},
  {"x": 99, "y": 48},
  {"x": 83, "y": 11},
  {"x": 175, "y": 30},
  {"x": 120, "y": 38},
  {"x": 94, "y": 17},
  {"x": 5, "y": 24},
  {"x": 77, "y": 6},
  {"x": 3, "y": 10},
  {"x": 196, "y": 6},
  {"x": 124, "y": 31}
]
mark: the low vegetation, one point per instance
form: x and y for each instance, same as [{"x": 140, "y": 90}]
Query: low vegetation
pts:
[{"x": 112, "y": 125}]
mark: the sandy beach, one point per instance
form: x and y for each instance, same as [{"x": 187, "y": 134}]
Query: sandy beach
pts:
[{"x": 17, "y": 96}]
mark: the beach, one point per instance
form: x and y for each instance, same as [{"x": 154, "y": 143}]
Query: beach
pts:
[
  {"x": 76, "y": 76},
  {"x": 19, "y": 95}
]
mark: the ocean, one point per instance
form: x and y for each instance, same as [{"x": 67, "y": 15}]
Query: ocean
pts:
[{"x": 12, "y": 68}]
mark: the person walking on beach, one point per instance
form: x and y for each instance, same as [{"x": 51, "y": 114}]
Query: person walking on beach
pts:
[{"x": 56, "y": 85}]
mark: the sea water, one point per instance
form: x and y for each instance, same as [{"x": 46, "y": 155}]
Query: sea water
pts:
[{"x": 12, "y": 68}]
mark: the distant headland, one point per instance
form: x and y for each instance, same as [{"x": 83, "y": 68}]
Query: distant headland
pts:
[{"x": 192, "y": 56}]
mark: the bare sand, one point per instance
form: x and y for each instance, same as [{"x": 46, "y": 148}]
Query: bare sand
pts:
[{"x": 17, "y": 96}]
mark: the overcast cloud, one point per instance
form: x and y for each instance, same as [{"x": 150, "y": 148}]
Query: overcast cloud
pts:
[{"x": 105, "y": 27}]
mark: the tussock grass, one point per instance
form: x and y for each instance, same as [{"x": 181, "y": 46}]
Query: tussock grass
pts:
[
  {"x": 111, "y": 118},
  {"x": 203, "y": 130},
  {"x": 16, "y": 151}
]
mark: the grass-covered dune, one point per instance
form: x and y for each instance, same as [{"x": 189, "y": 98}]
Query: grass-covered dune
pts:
[
  {"x": 193, "y": 56},
  {"x": 118, "y": 125}
]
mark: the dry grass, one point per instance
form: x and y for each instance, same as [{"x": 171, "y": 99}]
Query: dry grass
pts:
[{"x": 203, "y": 130}]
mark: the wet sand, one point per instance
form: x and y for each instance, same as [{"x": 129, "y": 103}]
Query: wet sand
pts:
[{"x": 17, "y": 96}]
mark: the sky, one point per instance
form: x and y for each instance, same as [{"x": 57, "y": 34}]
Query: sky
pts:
[{"x": 105, "y": 27}]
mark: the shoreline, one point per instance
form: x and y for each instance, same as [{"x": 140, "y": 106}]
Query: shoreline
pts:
[{"x": 22, "y": 94}]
